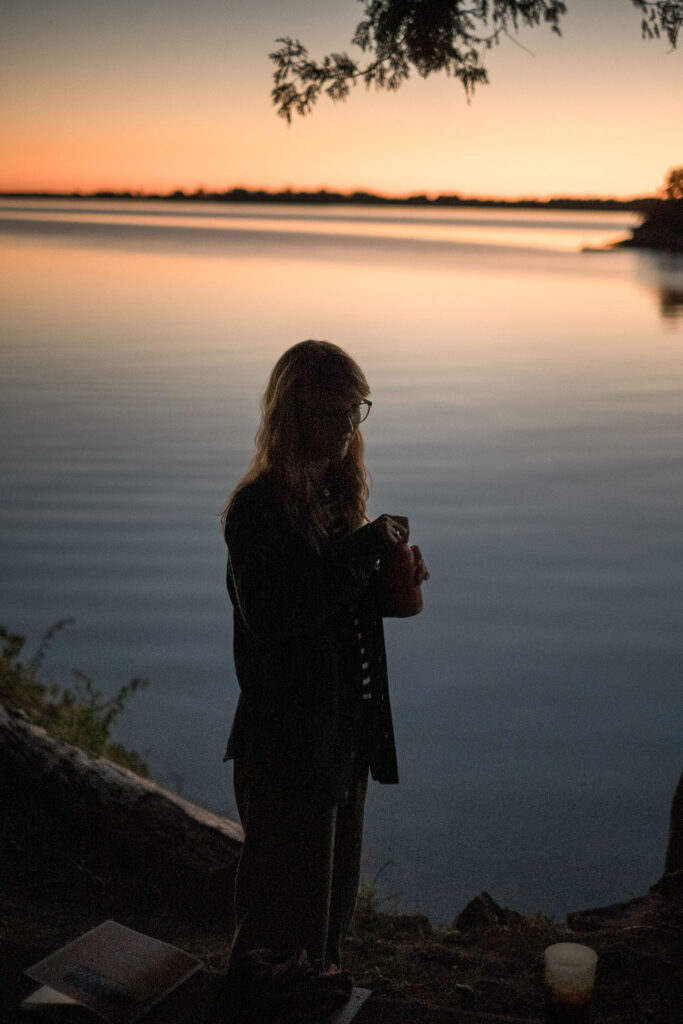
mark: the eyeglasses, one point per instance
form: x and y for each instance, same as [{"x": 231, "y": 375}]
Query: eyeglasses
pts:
[{"x": 357, "y": 413}]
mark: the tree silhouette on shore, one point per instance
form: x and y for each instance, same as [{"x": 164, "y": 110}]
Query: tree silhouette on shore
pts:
[{"x": 673, "y": 187}]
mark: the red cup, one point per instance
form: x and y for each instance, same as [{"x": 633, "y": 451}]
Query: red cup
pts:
[{"x": 401, "y": 595}]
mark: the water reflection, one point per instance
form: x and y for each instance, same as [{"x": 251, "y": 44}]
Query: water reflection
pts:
[
  {"x": 528, "y": 418},
  {"x": 671, "y": 303},
  {"x": 662, "y": 273},
  {"x": 432, "y": 240},
  {"x": 537, "y": 229}
]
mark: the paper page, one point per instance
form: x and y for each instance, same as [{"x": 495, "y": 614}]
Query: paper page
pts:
[{"x": 116, "y": 972}]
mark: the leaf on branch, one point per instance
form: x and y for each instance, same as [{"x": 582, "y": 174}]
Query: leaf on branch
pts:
[
  {"x": 661, "y": 17},
  {"x": 429, "y": 36}
]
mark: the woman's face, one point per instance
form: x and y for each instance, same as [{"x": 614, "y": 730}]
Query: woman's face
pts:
[{"x": 330, "y": 425}]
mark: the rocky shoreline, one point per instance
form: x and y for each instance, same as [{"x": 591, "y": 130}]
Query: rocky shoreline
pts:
[
  {"x": 662, "y": 229},
  {"x": 85, "y": 840}
]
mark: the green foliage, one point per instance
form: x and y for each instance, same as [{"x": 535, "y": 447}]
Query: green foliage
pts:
[
  {"x": 371, "y": 901},
  {"x": 82, "y": 716},
  {"x": 428, "y": 36}
]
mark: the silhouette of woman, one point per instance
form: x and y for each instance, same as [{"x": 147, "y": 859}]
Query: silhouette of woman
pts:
[{"x": 313, "y": 716}]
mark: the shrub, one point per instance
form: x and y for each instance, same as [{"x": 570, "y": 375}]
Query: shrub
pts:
[{"x": 81, "y": 716}]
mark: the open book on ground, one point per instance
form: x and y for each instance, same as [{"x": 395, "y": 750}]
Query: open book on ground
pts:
[
  {"x": 120, "y": 976},
  {"x": 114, "y": 972}
]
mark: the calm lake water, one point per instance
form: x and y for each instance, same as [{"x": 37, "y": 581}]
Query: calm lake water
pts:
[{"x": 527, "y": 417}]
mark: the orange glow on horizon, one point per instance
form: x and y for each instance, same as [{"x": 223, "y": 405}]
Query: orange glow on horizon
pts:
[
  {"x": 68, "y": 189},
  {"x": 96, "y": 103}
]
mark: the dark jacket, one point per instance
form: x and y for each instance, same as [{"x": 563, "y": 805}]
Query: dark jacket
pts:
[{"x": 300, "y": 621}]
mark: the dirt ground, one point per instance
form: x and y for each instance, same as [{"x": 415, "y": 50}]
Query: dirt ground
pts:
[{"x": 57, "y": 883}]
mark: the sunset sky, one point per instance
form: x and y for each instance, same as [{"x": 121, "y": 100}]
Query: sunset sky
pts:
[{"x": 153, "y": 95}]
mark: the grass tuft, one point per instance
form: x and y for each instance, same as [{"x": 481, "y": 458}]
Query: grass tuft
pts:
[{"x": 80, "y": 715}]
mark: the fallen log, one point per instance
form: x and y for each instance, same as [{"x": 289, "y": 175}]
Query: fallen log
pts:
[{"x": 107, "y": 804}]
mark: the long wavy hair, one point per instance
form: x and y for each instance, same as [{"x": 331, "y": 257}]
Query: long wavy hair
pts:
[{"x": 304, "y": 377}]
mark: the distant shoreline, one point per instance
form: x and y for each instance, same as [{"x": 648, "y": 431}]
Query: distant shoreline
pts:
[{"x": 322, "y": 197}]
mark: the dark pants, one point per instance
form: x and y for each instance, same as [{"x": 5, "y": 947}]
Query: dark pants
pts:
[{"x": 299, "y": 870}]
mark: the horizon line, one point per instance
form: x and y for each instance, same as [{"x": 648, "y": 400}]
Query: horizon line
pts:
[{"x": 325, "y": 194}]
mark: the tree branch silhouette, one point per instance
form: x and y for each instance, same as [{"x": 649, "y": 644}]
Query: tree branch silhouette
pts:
[{"x": 429, "y": 36}]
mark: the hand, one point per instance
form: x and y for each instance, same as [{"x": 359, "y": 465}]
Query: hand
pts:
[
  {"x": 392, "y": 530},
  {"x": 421, "y": 571}
]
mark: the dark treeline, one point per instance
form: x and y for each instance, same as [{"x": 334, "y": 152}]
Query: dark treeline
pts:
[
  {"x": 662, "y": 228},
  {"x": 643, "y": 204}
]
